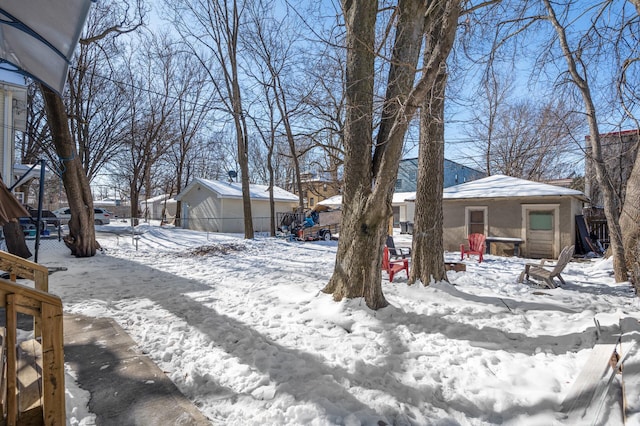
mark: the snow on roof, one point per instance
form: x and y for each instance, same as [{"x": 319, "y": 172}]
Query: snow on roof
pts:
[
  {"x": 398, "y": 198},
  {"x": 234, "y": 190},
  {"x": 499, "y": 186},
  {"x": 333, "y": 202},
  {"x": 161, "y": 197},
  {"x": 401, "y": 197}
]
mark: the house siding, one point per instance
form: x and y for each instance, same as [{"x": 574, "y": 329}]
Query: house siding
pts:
[
  {"x": 505, "y": 220},
  {"x": 202, "y": 205},
  {"x": 206, "y": 211}
]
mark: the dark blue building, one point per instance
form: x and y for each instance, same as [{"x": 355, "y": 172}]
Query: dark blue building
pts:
[{"x": 454, "y": 174}]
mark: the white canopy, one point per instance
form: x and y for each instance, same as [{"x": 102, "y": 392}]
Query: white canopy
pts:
[{"x": 39, "y": 37}]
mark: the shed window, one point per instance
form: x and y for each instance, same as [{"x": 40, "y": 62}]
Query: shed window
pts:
[
  {"x": 476, "y": 220},
  {"x": 541, "y": 221}
]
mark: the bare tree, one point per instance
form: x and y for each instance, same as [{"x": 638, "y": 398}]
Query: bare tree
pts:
[
  {"x": 428, "y": 250},
  {"x": 269, "y": 139},
  {"x": 210, "y": 29},
  {"x": 271, "y": 43},
  {"x": 370, "y": 181},
  {"x": 192, "y": 112},
  {"x": 491, "y": 97},
  {"x": 97, "y": 106},
  {"x": 533, "y": 141},
  {"x": 81, "y": 238},
  {"x": 630, "y": 224},
  {"x": 326, "y": 111},
  {"x": 630, "y": 216},
  {"x": 152, "y": 104},
  {"x": 577, "y": 72}
]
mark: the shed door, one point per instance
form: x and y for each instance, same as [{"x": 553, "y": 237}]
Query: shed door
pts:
[
  {"x": 185, "y": 215},
  {"x": 396, "y": 216},
  {"x": 540, "y": 233}
]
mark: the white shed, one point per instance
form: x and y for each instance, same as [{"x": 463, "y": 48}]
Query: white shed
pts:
[
  {"x": 216, "y": 206},
  {"x": 154, "y": 208}
]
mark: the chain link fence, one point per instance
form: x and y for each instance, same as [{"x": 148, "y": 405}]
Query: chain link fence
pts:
[
  {"x": 51, "y": 232},
  {"x": 53, "y": 229},
  {"x": 230, "y": 225}
]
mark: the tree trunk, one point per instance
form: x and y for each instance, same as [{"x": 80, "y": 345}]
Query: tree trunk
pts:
[
  {"x": 357, "y": 270},
  {"x": 243, "y": 155},
  {"x": 135, "y": 203},
  {"x": 284, "y": 112},
  {"x": 630, "y": 224},
  {"x": 81, "y": 239},
  {"x": 14, "y": 238},
  {"x": 369, "y": 182},
  {"x": 428, "y": 249},
  {"x": 272, "y": 203}
]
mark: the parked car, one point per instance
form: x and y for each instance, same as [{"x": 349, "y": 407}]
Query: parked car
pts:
[
  {"x": 100, "y": 216},
  {"x": 49, "y": 224}
]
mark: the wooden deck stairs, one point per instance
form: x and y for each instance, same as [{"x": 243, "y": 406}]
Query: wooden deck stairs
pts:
[{"x": 32, "y": 390}]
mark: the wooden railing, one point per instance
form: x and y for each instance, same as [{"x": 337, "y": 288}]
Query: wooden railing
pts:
[
  {"x": 41, "y": 398},
  {"x": 19, "y": 267}
]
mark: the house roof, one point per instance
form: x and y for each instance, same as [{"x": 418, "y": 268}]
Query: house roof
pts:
[
  {"x": 398, "y": 198},
  {"x": 401, "y": 197},
  {"x": 333, "y": 202},
  {"x": 501, "y": 186},
  {"x": 161, "y": 198},
  {"x": 234, "y": 190}
]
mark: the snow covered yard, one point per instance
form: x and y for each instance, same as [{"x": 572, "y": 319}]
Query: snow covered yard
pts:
[{"x": 245, "y": 332}]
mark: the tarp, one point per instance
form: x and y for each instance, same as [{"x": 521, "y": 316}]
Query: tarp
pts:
[
  {"x": 39, "y": 37},
  {"x": 10, "y": 207}
]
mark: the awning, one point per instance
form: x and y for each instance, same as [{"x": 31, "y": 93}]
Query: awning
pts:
[
  {"x": 39, "y": 37},
  {"x": 10, "y": 207}
]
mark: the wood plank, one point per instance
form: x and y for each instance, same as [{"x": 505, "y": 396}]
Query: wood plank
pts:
[
  {"x": 12, "y": 391},
  {"x": 3, "y": 372},
  {"x": 631, "y": 369},
  {"x": 29, "y": 357},
  {"x": 53, "y": 365},
  {"x": 8, "y": 287},
  {"x": 584, "y": 388},
  {"x": 25, "y": 268}
]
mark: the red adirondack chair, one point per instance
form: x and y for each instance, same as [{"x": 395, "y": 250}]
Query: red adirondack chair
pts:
[
  {"x": 393, "y": 266},
  {"x": 476, "y": 246}
]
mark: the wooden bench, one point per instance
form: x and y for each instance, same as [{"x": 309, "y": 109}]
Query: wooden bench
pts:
[{"x": 505, "y": 240}]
